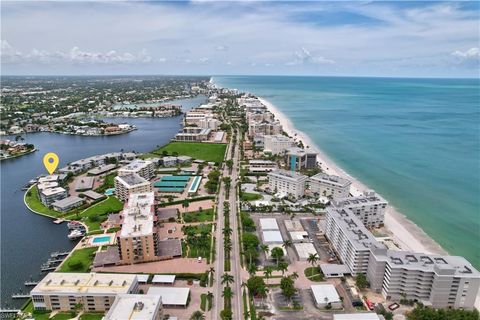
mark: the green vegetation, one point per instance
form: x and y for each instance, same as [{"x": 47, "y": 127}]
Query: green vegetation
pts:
[
  {"x": 256, "y": 286},
  {"x": 198, "y": 216},
  {"x": 108, "y": 182},
  {"x": 361, "y": 281},
  {"x": 92, "y": 316},
  {"x": 314, "y": 274},
  {"x": 213, "y": 152},
  {"x": 423, "y": 313},
  {"x": 98, "y": 213},
  {"x": 198, "y": 240},
  {"x": 213, "y": 181},
  {"x": 79, "y": 261},
  {"x": 246, "y": 196},
  {"x": 250, "y": 246},
  {"x": 33, "y": 201}
]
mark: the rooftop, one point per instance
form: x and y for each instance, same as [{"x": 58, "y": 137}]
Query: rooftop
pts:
[
  {"x": 368, "y": 197},
  {"x": 131, "y": 179},
  {"x": 83, "y": 183},
  {"x": 331, "y": 179},
  {"x": 324, "y": 293},
  {"x": 53, "y": 191},
  {"x": 293, "y": 225},
  {"x": 138, "y": 215},
  {"x": 272, "y": 237},
  {"x": 288, "y": 175},
  {"x": 169, "y": 248},
  {"x": 67, "y": 202},
  {"x": 163, "y": 278},
  {"x": 136, "y": 306},
  {"x": 268, "y": 224},
  {"x": 352, "y": 227},
  {"x": 136, "y": 165},
  {"x": 304, "y": 249},
  {"x": 171, "y": 295},
  {"x": 85, "y": 283}
]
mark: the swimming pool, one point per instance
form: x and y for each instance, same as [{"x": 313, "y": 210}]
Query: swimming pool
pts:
[
  {"x": 109, "y": 191},
  {"x": 101, "y": 239}
]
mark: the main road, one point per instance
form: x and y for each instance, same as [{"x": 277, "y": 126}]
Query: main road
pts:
[{"x": 235, "y": 257}]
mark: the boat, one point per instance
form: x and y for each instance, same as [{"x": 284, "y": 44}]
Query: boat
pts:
[
  {"x": 75, "y": 234},
  {"x": 75, "y": 225}
]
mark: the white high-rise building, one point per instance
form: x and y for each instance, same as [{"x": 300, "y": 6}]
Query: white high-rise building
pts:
[
  {"x": 327, "y": 185},
  {"x": 369, "y": 208},
  {"x": 144, "y": 168},
  {"x": 130, "y": 184},
  {"x": 287, "y": 182},
  {"x": 277, "y": 144}
]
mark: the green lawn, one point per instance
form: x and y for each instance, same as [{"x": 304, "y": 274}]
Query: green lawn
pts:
[
  {"x": 59, "y": 316},
  {"x": 92, "y": 316},
  {"x": 317, "y": 274},
  {"x": 246, "y": 196},
  {"x": 79, "y": 261},
  {"x": 198, "y": 150},
  {"x": 196, "y": 216},
  {"x": 33, "y": 201},
  {"x": 108, "y": 182},
  {"x": 98, "y": 213},
  {"x": 203, "y": 301}
]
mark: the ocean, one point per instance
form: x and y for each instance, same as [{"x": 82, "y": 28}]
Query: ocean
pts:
[{"x": 414, "y": 141}]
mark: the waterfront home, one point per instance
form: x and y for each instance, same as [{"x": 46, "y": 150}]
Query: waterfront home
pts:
[
  {"x": 287, "y": 182},
  {"x": 300, "y": 159},
  {"x": 50, "y": 195}
]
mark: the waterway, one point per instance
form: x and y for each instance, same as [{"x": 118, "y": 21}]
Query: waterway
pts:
[{"x": 27, "y": 239}]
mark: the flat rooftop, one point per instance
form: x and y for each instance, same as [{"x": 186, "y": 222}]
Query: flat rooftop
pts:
[
  {"x": 85, "y": 283},
  {"x": 53, "y": 191},
  {"x": 135, "y": 307},
  {"x": 287, "y": 175},
  {"x": 93, "y": 195},
  {"x": 304, "y": 249},
  {"x": 368, "y": 197},
  {"x": 322, "y": 292},
  {"x": 131, "y": 179},
  {"x": 293, "y": 225},
  {"x": 138, "y": 215},
  {"x": 167, "y": 213},
  {"x": 272, "y": 237},
  {"x": 68, "y": 201},
  {"x": 136, "y": 165},
  {"x": 83, "y": 183},
  {"x": 268, "y": 224},
  {"x": 332, "y": 180},
  {"x": 171, "y": 296},
  {"x": 352, "y": 228},
  {"x": 163, "y": 278},
  {"x": 169, "y": 248},
  {"x": 441, "y": 265}
]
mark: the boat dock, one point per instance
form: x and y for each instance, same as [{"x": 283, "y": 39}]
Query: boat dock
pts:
[{"x": 20, "y": 296}]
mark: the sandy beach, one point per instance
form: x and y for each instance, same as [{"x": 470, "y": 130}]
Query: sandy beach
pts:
[{"x": 406, "y": 234}]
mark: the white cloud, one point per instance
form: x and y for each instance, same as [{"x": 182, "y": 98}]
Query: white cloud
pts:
[
  {"x": 304, "y": 56},
  {"x": 75, "y": 55},
  {"x": 470, "y": 54},
  {"x": 204, "y": 60},
  {"x": 221, "y": 48}
]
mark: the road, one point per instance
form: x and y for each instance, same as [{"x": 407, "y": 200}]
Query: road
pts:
[{"x": 237, "y": 307}]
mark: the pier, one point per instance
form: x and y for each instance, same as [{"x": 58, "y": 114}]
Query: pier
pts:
[
  {"x": 30, "y": 283},
  {"x": 20, "y": 296}
]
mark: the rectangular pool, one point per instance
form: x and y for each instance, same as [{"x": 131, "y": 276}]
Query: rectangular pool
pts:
[{"x": 101, "y": 239}]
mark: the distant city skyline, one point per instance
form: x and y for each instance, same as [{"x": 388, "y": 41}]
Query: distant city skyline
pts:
[{"x": 404, "y": 39}]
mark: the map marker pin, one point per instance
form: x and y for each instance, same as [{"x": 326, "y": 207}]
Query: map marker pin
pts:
[{"x": 50, "y": 161}]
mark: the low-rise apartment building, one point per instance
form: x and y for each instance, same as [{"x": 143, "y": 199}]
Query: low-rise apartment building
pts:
[
  {"x": 287, "y": 182},
  {"x": 50, "y": 195},
  {"x": 136, "y": 307},
  {"x": 144, "y": 168},
  {"x": 277, "y": 144},
  {"x": 194, "y": 134},
  {"x": 439, "y": 281},
  {"x": 369, "y": 207},
  {"x": 349, "y": 238},
  {"x": 95, "y": 292},
  {"x": 129, "y": 184},
  {"x": 300, "y": 159},
  {"x": 256, "y": 166},
  {"x": 326, "y": 185}
]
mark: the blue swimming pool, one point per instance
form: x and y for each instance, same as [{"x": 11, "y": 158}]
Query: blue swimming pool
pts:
[
  {"x": 109, "y": 191},
  {"x": 101, "y": 239}
]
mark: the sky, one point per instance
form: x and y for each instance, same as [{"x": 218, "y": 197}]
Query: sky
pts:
[{"x": 358, "y": 38}]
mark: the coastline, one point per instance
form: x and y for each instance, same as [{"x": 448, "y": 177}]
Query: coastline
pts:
[
  {"x": 406, "y": 234},
  {"x": 19, "y": 155}
]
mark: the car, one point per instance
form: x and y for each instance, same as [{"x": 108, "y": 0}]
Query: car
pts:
[{"x": 394, "y": 306}]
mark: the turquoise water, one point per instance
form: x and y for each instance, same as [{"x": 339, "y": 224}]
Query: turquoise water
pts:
[
  {"x": 109, "y": 191},
  {"x": 101, "y": 239},
  {"x": 415, "y": 141}
]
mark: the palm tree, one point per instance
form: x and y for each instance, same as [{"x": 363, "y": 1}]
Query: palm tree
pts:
[
  {"x": 283, "y": 266},
  {"x": 294, "y": 275},
  {"x": 227, "y": 293},
  {"x": 267, "y": 272},
  {"x": 209, "y": 299},
  {"x": 227, "y": 231},
  {"x": 227, "y": 279},
  {"x": 252, "y": 268},
  {"x": 197, "y": 315},
  {"x": 265, "y": 248},
  {"x": 287, "y": 243},
  {"x": 312, "y": 259}
]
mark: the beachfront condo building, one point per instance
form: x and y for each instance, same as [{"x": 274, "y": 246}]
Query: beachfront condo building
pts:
[
  {"x": 260, "y": 115},
  {"x": 326, "y": 185},
  {"x": 137, "y": 239},
  {"x": 299, "y": 159},
  {"x": 136, "y": 307},
  {"x": 349, "y": 238},
  {"x": 287, "y": 183},
  {"x": 144, "y": 168},
  {"x": 261, "y": 166},
  {"x": 369, "y": 208},
  {"x": 264, "y": 128},
  {"x": 129, "y": 184},
  {"x": 95, "y": 292},
  {"x": 277, "y": 144},
  {"x": 438, "y": 281},
  {"x": 50, "y": 195}
]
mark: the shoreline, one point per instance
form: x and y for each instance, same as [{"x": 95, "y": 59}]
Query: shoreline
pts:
[{"x": 406, "y": 234}]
